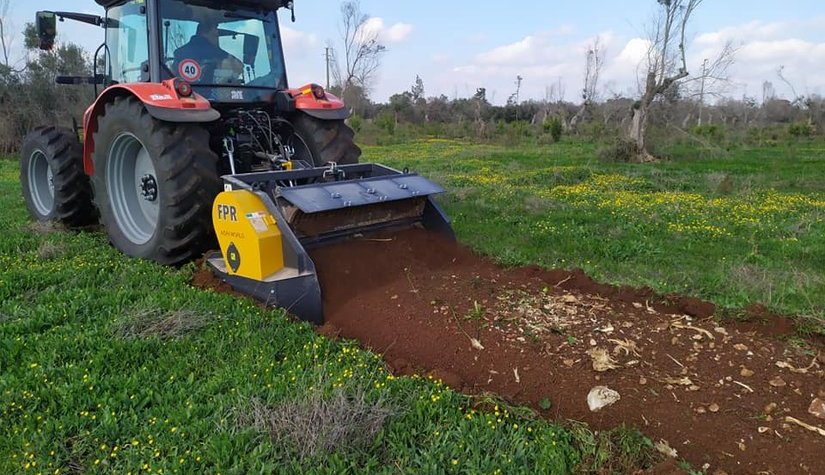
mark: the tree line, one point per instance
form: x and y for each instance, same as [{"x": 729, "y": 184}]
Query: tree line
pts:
[
  {"x": 29, "y": 96},
  {"x": 673, "y": 100}
]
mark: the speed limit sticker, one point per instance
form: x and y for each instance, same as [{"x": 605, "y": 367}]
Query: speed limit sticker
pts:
[{"x": 190, "y": 70}]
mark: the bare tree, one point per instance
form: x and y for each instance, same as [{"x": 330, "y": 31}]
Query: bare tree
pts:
[
  {"x": 514, "y": 98},
  {"x": 594, "y": 60},
  {"x": 780, "y": 73},
  {"x": 666, "y": 66},
  {"x": 362, "y": 52},
  {"x": 768, "y": 92},
  {"x": 714, "y": 81},
  {"x": 5, "y": 38}
]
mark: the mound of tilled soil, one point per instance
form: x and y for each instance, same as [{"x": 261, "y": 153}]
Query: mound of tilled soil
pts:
[
  {"x": 725, "y": 398},
  {"x": 730, "y": 399}
]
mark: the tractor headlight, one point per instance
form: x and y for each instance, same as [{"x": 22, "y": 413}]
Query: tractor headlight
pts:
[
  {"x": 183, "y": 88},
  {"x": 318, "y": 92}
]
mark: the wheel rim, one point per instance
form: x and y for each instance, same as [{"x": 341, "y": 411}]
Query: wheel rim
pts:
[
  {"x": 41, "y": 183},
  {"x": 132, "y": 184}
]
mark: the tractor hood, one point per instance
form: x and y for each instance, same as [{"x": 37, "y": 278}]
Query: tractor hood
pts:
[{"x": 256, "y": 4}]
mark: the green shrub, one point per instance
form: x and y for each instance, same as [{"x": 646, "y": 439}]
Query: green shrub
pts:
[
  {"x": 386, "y": 122},
  {"x": 356, "y": 122},
  {"x": 709, "y": 131},
  {"x": 554, "y": 128},
  {"x": 801, "y": 129},
  {"x": 621, "y": 150}
]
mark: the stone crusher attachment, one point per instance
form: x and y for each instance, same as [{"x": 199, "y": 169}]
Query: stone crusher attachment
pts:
[{"x": 266, "y": 221}]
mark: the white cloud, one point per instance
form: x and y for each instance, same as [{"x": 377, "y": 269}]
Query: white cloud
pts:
[
  {"x": 295, "y": 39},
  {"x": 396, "y": 33},
  {"x": 765, "y": 46},
  {"x": 547, "y": 57},
  {"x": 543, "y": 59},
  {"x": 633, "y": 52}
]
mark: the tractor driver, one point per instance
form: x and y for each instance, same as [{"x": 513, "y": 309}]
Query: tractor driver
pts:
[{"x": 203, "y": 60}]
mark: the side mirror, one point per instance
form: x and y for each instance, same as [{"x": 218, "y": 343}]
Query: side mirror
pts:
[
  {"x": 46, "y": 25},
  {"x": 250, "y": 48}
]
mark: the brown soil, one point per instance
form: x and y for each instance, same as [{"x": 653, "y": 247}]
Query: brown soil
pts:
[{"x": 717, "y": 395}]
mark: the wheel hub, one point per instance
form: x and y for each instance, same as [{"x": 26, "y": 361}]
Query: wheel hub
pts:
[
  {"x": 149, "y": 188},
  {"x": 133, "y": 189},
  {"x": 41, "y": 183},
  {"x": 50, "y": 179}
]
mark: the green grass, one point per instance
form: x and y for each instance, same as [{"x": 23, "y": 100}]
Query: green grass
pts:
[
  {"x": 114, "y": 365},
  {"x": 744, "y": 227}
]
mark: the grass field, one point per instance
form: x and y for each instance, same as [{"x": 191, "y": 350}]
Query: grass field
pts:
[
  {"x": 111, "y": 365},
  {"x": 746, "y": 228}
]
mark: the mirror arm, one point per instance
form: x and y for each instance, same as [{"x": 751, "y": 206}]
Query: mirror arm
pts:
[{"x": 81, "y": 17}]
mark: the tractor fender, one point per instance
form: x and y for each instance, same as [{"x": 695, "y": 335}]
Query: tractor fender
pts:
[
  {"x": 161, "y": 101},
  {"x": 329, "y": 107}
]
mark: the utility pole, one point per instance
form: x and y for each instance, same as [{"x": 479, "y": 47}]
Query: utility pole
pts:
[
  {"x": 702, "y": 90},
  {"x": 329, "y": 59}
]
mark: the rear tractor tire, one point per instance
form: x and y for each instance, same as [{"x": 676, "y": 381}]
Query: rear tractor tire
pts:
[
  {"x": 55, "y": 187},
  {"x": 154, "y": 183},
  {"x": 321, "y": 142}
]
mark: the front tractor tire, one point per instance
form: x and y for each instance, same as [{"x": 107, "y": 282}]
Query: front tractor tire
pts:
[
  {"x": 321, "y": 142},
  {"x": 154, "y": 184},
  {"x": 55, "y": 187}
]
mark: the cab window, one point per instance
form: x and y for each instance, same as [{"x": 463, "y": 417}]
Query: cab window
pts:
[{"x": 127, "y": 43}]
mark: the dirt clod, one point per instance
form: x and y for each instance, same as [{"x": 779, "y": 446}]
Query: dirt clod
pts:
[
  {"x": 602, "y": 361},
  {"x": 778, "y": 382},
  {"x": 817, "y": 408},
  {"x": 448, "y": 378}
]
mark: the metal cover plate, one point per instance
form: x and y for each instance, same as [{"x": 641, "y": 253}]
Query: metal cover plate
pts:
[{"x": 364, "y": 192}]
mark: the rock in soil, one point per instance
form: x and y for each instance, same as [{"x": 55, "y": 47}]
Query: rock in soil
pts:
[
  {"x": 817, "y": 408},
  {"x": 601, "y": 397}
]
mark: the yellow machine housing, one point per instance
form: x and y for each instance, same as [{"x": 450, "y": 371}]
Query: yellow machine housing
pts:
[
  {"x": 266, "y": 222},
  {"x": 251, "y": 243}
]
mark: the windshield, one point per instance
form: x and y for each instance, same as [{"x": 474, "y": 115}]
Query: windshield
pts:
[{"x": 221, "y": 45}]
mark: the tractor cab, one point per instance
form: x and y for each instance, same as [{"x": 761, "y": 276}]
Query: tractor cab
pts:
[{"x": 228, "y": 52}]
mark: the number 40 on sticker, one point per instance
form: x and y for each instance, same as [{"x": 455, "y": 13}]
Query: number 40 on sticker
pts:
[{"x": 190, "y": 70}]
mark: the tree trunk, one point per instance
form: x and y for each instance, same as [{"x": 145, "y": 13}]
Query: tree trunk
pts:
[
  {"x": 638, "y": 127},
  {"x": 580, "y": 114},
  {"x": 641, "y": 112},
  {"x": 638, "y": 130}
]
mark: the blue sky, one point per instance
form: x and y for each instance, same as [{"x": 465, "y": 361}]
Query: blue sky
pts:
[{"x": 459, "y": 46}]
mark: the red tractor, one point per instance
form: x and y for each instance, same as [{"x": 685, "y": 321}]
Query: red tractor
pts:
[{"x": 189, "y": 91}]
